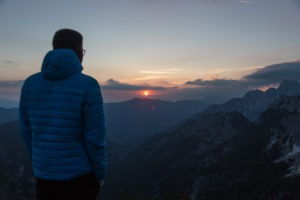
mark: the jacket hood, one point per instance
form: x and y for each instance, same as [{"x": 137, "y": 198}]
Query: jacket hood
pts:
[{"x": 60, "y": 63}]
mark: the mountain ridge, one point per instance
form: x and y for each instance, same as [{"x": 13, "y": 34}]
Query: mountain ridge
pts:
[
  {"x": 254, "y": 102},
  {"x": 219, "y": 156}
]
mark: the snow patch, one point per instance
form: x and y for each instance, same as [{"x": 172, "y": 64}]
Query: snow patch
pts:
[
  {"x": 295, "y": 150},
  {"x": 273, "y": 141},
  {"x": 292, "y": 153},
  {"x": 295, "y": 168}
]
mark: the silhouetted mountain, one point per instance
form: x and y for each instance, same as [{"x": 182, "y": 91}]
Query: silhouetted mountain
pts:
[
  {"x": 6, "y": 103},
  {"x": 137, "y": 119},
  {"x": 7, "y": 115},
  {"x": 289, "y": 88},
  {"x": 253, "y": 103},
  {"x": 218, "y": 156}
]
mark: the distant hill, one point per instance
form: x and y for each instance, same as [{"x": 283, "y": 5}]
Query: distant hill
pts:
[
  {"x": 8, "y": 114},
  {"x": 6, "y": 103},
  {"x": 218, "y": 156},
  {"x": 254, "y": 102},
  {"x": 138, "y": 119}
]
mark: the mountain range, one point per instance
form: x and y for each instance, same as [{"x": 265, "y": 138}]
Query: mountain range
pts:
[
  {"x": 137, "y": 119},
  {"x": 218, "y": 156},
  {"x": 254, "y": 102},
  {"x": 6, "y": 103}
]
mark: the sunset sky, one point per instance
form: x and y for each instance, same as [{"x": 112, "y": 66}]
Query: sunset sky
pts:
[{"x": 175, "y": 49}]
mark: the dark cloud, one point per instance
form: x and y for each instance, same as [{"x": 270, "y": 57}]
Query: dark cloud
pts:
[
  {"x": 216, "y": 83},
  {"x": 225, "y": 84},
  {"x": 270, "y": 75},
  {"x": 215, "y": 91},
  {"x": 112, "y": 84},
  {"x": 276, "y": 73},
  {"x": 14, "y": 83},
  {"x": 8, "y": 62}
]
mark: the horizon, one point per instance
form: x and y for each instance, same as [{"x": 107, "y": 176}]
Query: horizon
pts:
[
  {"x": 173, "y": 49},
  {"x": 12, "y": 104}
]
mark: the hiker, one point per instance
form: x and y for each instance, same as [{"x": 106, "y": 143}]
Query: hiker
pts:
[{"x": 61, "y": 121}]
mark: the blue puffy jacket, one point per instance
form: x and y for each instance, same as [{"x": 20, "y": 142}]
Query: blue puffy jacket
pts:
[{"x": 61, "y": 119}]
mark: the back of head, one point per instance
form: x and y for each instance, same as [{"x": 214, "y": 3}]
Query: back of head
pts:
[
  {"x": 68, "y": 39},
  {"x": 66, "y": 57}
]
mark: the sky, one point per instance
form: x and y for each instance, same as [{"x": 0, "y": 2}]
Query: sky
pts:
[{"x": 174, "y": 49}]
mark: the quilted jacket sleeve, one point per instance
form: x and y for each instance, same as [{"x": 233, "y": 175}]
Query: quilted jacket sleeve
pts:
[
  {"x": 24, "y": 126},
  {"x": 95, "y": 129}
]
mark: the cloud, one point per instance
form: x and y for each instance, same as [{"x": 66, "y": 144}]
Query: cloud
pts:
[
  {"x": 220, "y": 89},
  {"x": 267, "y": 76},
  {"x": 14, "y": 83},
  {"x": 215, "y": 82},
  {"x": 216, "y": 90},
  {"x": 8, "y": 62},
  {"x": 150, "y": 77},
  {"x": 152, "y": 72},
  {"x": 244, "y": 1},
  {"x": 276, "y": 73},
  {"x": 112, "y": 84},
  {"x": 164, "y": 71}
]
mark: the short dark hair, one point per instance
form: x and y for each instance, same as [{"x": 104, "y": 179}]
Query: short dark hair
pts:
[{"x": 67, "y": 38}]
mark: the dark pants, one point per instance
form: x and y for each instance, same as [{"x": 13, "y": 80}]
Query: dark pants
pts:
[{"x": 83, "y": 187}]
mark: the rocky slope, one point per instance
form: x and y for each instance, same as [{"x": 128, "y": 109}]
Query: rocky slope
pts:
[
  {"x": 282, "y": 127},
  {"x": 16, "y": 180},
  {"x": 253, "y": 103}
]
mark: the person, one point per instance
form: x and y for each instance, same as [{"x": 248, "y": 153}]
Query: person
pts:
[{"x": 62, "y": 123}]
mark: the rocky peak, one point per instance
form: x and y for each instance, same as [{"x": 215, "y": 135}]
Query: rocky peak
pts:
[
  {"x": 253, "y": 94},
  {"x": 289, "y": 87},
  {"x": 254, "y": 102}
]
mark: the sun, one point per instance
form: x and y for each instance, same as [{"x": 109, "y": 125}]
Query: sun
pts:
[{"x": 146, "y": 93}]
